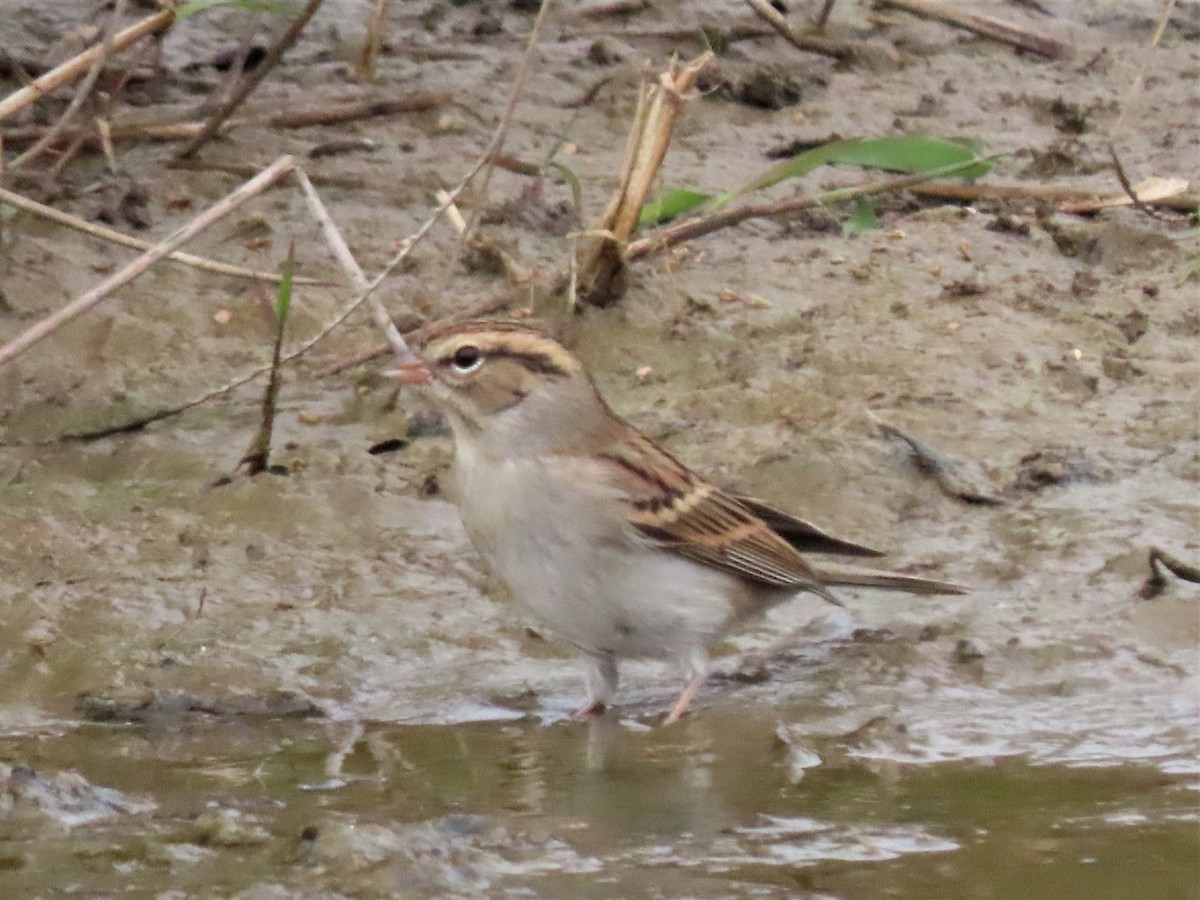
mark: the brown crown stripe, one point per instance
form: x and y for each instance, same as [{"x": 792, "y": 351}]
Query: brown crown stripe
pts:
[{"x": 439, "y": 330}]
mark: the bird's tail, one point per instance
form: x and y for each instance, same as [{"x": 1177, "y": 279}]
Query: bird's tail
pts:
[{"x": 857, "y": 576}]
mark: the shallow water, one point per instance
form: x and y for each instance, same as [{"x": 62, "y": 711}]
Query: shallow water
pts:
[
  {"x": 305, "y": 685},
  {"x": 712, "y": 808}
]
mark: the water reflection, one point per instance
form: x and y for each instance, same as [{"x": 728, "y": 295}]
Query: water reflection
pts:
[{"x": 708, "y": 808}]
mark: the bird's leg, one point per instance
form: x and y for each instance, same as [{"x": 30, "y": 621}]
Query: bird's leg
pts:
[
  {"x": 685, "y": 698},
  {"x": 600, "y": 673}
]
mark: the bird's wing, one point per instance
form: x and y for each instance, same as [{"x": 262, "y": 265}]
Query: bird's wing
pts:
[
  {"x": 803, "y": 535},
  {"x": 668, "y": 502}
]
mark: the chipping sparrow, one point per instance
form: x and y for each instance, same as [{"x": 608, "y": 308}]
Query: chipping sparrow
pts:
[{"x": 621, "y": 549}]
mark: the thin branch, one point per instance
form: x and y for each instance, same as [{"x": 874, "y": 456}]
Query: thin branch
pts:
[
  {"x": 329, "y": 114},
  {"x": 101, "y": 119},
  {"x": 252, "y": 80},
  {"x": 125, "y": 240},
  {"x": 77, "y": 65},
  {"x": 82, "y": 92},
  {"x": 1069, "y": 200},
  {"x": 729, "y": 34},
  {"x": 258, "y": 455},
  {"x": 249, "y": 170},
  {"x": 514, "y": 97},
  {"x": 806, "y": 43},
  {"x": 86, "y": 301},
  {"x": 1133, "y": 88},
  {"x": 823, "y": 16},
  {"x": 985, "y": 26},
  {"x": 406, "y": 248},
  {"x": 374, "y": 41},
  {"x": 349, "y": 264},
  {"x": 332, "y": 114},
  {"x": 691, "y": 229}
]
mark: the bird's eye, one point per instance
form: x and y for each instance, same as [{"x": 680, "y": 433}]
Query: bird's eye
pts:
[{"x": 467, "y": 358}]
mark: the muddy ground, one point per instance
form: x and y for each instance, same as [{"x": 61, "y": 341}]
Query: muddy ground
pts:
[{"x": 302, "y": 684}]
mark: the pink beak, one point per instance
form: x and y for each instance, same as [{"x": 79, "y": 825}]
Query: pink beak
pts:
[{"x": 410, "y": 369}]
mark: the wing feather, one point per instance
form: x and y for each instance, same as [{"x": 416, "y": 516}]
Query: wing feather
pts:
[
  {"x": 688, "y": 515},
  {"x": 803, "y": 535}
]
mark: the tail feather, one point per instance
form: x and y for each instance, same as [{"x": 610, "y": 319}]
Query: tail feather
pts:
[{"x": 857, "y": 576}]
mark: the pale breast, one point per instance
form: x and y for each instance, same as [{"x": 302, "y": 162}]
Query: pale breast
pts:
[{"x": 563, "y": 547}]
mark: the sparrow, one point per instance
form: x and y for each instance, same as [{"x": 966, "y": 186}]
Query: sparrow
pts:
[{"x": 617, "y": 546}]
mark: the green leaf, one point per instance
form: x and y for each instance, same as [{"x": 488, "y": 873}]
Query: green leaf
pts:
[
  {"x": 283, "y": 299},
  {"x": 862, "y": 219},
  {"x": 1190, "y": 269},
  {"x": 670, "y": 205},
  {"x": 195, "y": 6},
  {"x": 572, "y": 180},
  {"x": 895, "y": 154},
  {"x": 714, "y": 39}
]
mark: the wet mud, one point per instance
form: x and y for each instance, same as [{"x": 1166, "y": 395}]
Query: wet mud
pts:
[{"x": 302, "y": 684}]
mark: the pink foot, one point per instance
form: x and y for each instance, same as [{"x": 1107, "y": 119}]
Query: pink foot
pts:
[
  {"x": 589, "y": 710},
  {"x": 689, "y": 694}
]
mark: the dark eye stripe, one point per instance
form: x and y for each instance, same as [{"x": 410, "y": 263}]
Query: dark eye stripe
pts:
[{"x": 534, "y": 362}]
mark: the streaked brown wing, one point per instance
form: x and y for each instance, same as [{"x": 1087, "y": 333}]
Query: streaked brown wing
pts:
[
  {"x": 804, "y": 536},
  {"x": 691, "y": 517}
]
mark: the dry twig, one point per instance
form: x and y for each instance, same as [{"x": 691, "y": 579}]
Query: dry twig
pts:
[
  {"x": 806, "y": 43},
  {"x": 602, "y": 251},
  {"x": 328, "y": 114},
  {"x": 82, "y": 92},
  {"x": 374, "y": 41},
  {"x": 1122, "y": 177},
  {"x": 87, "y": 300},
  {"x": 249, "y": 170},
  {"x": 690, "y": 229},
  {"x": 513, "y": 97},
  {"x": 985, "y": 26},
  {"x": 125, "y": 240},
  {"x": 349, "y": 264},
  {"x": 258, "y": 455},
  {"x": 1068, "y": 200},
  {"x": 77, "y": 65},
  {"x": 251, "y": 81}
]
